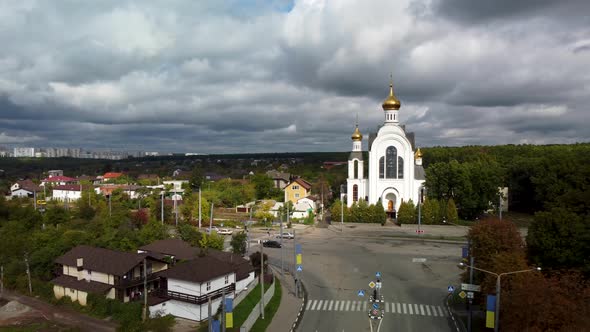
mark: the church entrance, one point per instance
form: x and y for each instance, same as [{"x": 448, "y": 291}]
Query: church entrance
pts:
[{"x": 390, "y": 198}]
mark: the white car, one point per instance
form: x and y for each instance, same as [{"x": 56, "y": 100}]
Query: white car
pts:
[
  {"x": 286, "y": 235},
  {"x": 225, "y": 231},
  {"x": 212, "y": 229}
]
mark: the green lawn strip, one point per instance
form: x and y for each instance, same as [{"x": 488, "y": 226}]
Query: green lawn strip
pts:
[{"x": 270, "y": 310}]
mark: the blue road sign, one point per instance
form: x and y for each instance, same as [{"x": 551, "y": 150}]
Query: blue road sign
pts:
[
  {"x": 464, "y": 252},
  {"x": 451, "y": 289},
  {"x": 299, "y": 268},
  {"x": 297, "y": 248},
  {"x": 378, "y": 274},
  {"x": 229, "y": 305},
  {"x": 375, "y": 306},
  {"x": 361, "y": 293}
]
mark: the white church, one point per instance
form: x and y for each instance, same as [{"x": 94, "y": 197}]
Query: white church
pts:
[{"x": 395, "y": 171}]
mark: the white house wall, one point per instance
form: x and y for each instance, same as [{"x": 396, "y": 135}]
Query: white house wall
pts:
[
  {"x": 240, "y": 285},
  {"x": 185, "y": 310}
]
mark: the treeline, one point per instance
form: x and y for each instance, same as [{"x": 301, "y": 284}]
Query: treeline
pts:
[{"x": 361, "y": 212}]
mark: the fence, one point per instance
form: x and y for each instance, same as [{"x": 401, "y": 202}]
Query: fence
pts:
[
  {"x": 256, "y": 312},
  {"x": 242, "y": 295}
]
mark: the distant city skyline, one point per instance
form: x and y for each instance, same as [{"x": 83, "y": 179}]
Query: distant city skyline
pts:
[{"x": 223, "y": 77}]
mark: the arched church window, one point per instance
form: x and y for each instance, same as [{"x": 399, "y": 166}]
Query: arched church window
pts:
[
  {"x": 355, "y": 193},
  {"x": 381, "y": 167},
  {"x": 356, "y": 169},
  {"x": 391, "y": 162},
  {"x": 400, "y": 167}
]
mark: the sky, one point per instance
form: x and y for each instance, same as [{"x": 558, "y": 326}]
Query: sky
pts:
[{"x": 250, "y": 76}]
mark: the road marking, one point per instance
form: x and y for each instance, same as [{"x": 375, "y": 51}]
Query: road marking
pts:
[
  {"x": 411, "y": 309},
  {"x": 428, "y": 311},
  {"x": 342, "y": 305},
  {"x": 393, "y": 308},
  {"x": 421, "y": 309},
  {"x": 405, "y": 309},
  {"x": 313, "y": 304},
  {"x": 433, "y": 310},
  {"x": 326, "y": 305},
  {"x": 320, "y": 302},
  {"x": 386, "y": 306},
  {"x": 309, "y": 304},
  {"x": 442, "y": 313},
  {"x": 331, "y": 304},
  {"x": 365, "y": 306},
  {"x": 347, "y": 305},
  {"x": 399, "y": 309}
]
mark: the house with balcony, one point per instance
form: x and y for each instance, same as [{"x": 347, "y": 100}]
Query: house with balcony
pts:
[
  {"x": 185, "y": 289},
  {"x": 114, "y": 274}
]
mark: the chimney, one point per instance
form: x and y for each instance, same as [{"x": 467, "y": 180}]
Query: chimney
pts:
[{"x": 80, "y": 262}]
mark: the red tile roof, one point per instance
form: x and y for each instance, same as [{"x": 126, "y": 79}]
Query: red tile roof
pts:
[
  {"x": 112, "y": 175},
  {"x": 70, "y": 187},
  {"x": 59, "y": 178},
  {"x": 303, "y": 183}
]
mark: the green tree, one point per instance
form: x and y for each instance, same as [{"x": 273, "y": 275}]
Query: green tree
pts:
[
  {"x": 197, "y": 178},
  {"x": 238, "y": 243},
  {"x": 151, "y": 232},
  {"x": 491, "y": 237},
  {"x": 263, "y": 185},
  {"x": 406, "y": 213},
  {"x": 451, "y": 213},
  {"x": 431, "y": 212},
  {"x": 189, "y": 234}
]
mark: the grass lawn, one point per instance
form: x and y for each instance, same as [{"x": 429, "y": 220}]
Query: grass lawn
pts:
[{"x": 270, "y": 309}]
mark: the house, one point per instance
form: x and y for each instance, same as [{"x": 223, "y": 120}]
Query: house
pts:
[
  {"x": 55, "y": 172},
  {"x": 58, "y": 180},
  {"x": 186, "y": 288},
  {"x": 111, "y": 176},
  {"x": 25, "y": 188},
  {"x": 114, "y": 274},
  {"x": 279, "y": 179},
  {"x": 69, "y": 192},
  {"x": 88, "y": 178},
  {"x": 303, "y": 207},
  {"x": 176, "y": 184},
  {"x": 296, "y": 190},
  {"x": 129, "y": 190}
]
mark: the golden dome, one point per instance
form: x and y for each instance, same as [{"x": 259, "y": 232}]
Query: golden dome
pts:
[
  {"x": 357, "y": 136},
  {"x": 418, "y": 154},
  {"x": 391, "y": 102}
]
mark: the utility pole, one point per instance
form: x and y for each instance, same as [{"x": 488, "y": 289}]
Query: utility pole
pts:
[
  {"x": 28, "y": 274},
  {"x": 261, "y": 280},
  {"x": 211, "y": 219},
  {"x": 110, "y": 205},
  {"x": 295, "y": 272},
  {"x": 145, "y": 307},
  {"x": 1, "y": 280},
  {"x": 199, "y": 207},
  {"x": 209, "y": 320},
  {"x": 419, "y": 211},
  {"x": 162, "y": 208},
  {"x": 223, "y": 322},
  {"x": 281, "y": 240},
  {"x": 175, "y": 210}
]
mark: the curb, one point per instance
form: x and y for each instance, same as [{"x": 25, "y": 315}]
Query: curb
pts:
[
  {"x": 452, "y": 314},
  {"x": 301, "y": 309}
]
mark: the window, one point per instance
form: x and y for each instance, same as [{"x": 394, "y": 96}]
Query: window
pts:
[
  {"x": 89, "y": 271},
  {"x": 72, "y": 290},
  {"x": 400, "y": 167},
  {"x": 356, "y": 169},
  {"x": 226, "y": 280},
  {"x": 208, "y": 285},
  {"x": 391, "y": 162},
  {"x": 355, "y": 193},
  {"x": 296, "y": 195},
  {"x": 381, "y": 167},
  {"x": 295, "y": 187}
]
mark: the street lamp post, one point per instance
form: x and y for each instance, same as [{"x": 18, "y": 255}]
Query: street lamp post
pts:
[{"x": 498, "y": 287}]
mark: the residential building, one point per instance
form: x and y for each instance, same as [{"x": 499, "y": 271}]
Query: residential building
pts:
[
  {"x": 110, "y": 176},
  {"x": 114, "y": 274},
  {"x": 25, "y": 188},
  {"x": 24, "y": 152},
  {"x": 296, "y": 190},
  {"x": 59, "y": 180},
  {"x": 303, "y": 207},
  {"x": 129, "y": 190},
  {"x": 176, "y": 184},
  {"x": 279, "y": 179},
  {"x": 55, "y": 172},
  {"x": 67, "y": 192}
]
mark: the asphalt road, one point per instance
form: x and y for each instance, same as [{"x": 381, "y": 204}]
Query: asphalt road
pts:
[{"x": 415, "y": 277}]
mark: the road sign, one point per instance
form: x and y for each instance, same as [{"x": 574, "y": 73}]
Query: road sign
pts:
[
  {"x": 41, "y": 201},
  {"x": 470, "y": 287},
  {"x": 451, "y": 289},
  {"x": 464, "y": 252},
  {"x": 462, "y": 294},
  {"x": 298, "y": 248},
  {"x": 375, "y": 306},
  {"x": 298, "y": 259},
  {"x": 418, "y": 260},
  {"x": 299, "y": 268},
  {"x": 470, "y": 295},
  {"x": 372, "y": 284},
  {"x": 378, "y": 284},
  {"x": 361, "y": 293},
  {"x": 378, "y": 274}
]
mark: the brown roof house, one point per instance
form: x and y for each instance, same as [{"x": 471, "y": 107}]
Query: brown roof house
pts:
[
  {"x": 24, "y": 188},
  {"x": 115, "y": 274},
  {"x": 186, "y": 286}
]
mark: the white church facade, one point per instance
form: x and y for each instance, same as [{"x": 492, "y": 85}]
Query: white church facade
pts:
[{"x": 395, "y": 171}]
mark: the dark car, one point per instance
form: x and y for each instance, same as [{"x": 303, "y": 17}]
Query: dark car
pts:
[{"x": 271, "y": 244}]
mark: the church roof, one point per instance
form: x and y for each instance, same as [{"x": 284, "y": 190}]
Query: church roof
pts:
[
  {"x": 356, "y": 154},
  {"x": 419, "y": 173}
]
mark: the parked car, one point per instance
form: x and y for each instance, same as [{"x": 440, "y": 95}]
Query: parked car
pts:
[
  {"x": 271, "y": 244},
  {"x": 286, "y": 235},
  {"x": 225, "y": 231}
]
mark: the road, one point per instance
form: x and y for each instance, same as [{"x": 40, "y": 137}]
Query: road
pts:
[{"x": 336, "y": 266}]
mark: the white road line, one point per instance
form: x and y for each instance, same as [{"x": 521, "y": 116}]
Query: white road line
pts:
[
  {"x": 428, "y": 310},
  {"x": 331, "y": 304},
  {"x": 442, "y": 312},
  {"x": 309, "y": 304},
  {"x": 411, "y": 309},
  {"x": 365, "y": 306},
  {"x": 386, "y": 306},
  {"x": 434, "y": 311},
  {"x": 405, "y": 309},
  {"x": 416, "y": 306},
  {"x": 347, "y": 305},
  {"x": 313, "y": 304},
  {"x": 342, "y": 305},
  {"x": 392, "y": 307},
  {"x": 421, "y": 309},
  {"x": 353, "y": 307},
  {"x": 326, "y": 305},
  {"x": 399, "y": 309},
  {"x": 320, "y": 302}
]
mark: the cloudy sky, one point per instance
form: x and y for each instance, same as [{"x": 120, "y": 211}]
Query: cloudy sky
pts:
[{"x": 274, "y": 76}]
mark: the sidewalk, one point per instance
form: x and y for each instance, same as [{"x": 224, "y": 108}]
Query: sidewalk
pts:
[
  {"x": 406, "y": 230},
  {"x": 289, "y": 307}
]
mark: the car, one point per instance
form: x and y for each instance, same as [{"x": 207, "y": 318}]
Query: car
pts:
[
  {"x": 286, "y": 235},
  {"x": 271, "y": 244},
  {"x": 212, "y": 229},
  {"x": 225, "y": 231}
]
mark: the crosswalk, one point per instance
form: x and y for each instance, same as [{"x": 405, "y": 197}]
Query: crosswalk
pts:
[{"x": 388, "y": 307}]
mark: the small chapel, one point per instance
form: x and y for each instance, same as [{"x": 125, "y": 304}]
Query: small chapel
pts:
[{"x": 395, "y": 171}]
